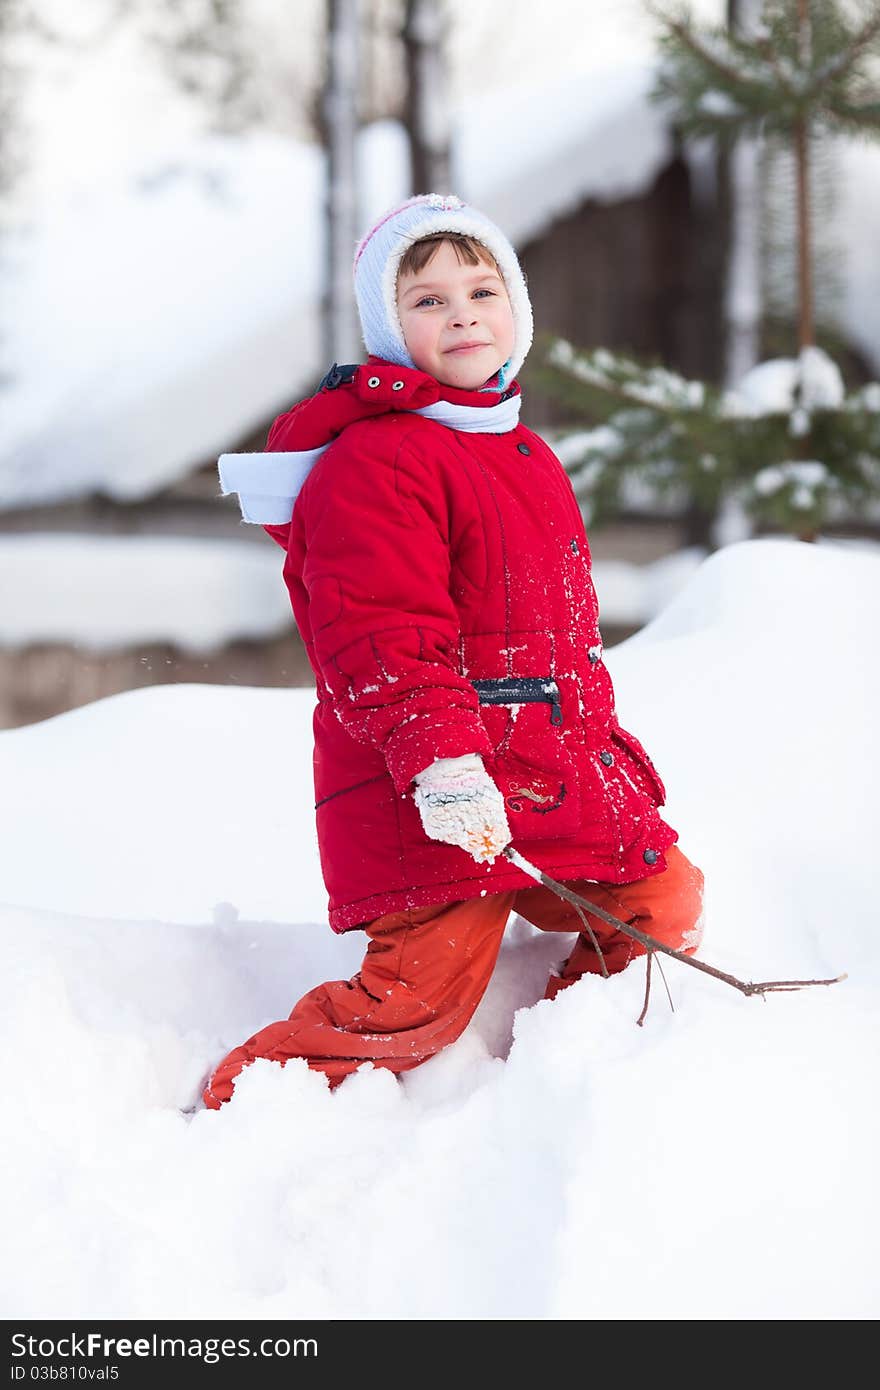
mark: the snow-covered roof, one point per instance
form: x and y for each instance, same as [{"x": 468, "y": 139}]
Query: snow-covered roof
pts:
[
  {"x": 158, "y": 318},
  {"x": 530, "y": 158}
]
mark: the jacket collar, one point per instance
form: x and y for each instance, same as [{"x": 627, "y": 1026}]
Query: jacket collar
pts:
[
  {"x": 411, "y": 388},
  {"x": 415, "y": 381},
  {"x": 269, "y": 483},
  {"x": 359, "y": 391}
]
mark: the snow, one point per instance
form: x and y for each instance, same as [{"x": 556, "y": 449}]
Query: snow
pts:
[
  {"x": 120, "y": 591},
  {"x": 854, "y": 230},
  {"x": 632, "y": 594},
  {"x": 597, "y": 138},
  {"x": 200, "y": 594},
  {"x": 742, "y": 290},
  {"x": 787, "y": 385},
  {"x": 821, "y": 384},
  {"x": 163, "y": 900},
  {"x": 193, "y": 313},
  {"x": 653, "y": 386},
  {"x": 805, "y": 473},
  {"x": 718, "y": 104}
]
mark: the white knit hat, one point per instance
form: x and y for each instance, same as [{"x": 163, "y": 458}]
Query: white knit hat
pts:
[{"x": 377, "y": 260}]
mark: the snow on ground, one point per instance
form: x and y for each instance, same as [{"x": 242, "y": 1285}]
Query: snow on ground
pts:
[{"x": 163, "y": 901}]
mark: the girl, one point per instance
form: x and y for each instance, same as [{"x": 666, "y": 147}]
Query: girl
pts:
[{"x": 439, "y": 573}]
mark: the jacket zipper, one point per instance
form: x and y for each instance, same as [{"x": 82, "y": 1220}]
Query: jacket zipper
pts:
[{"x": 521, "y": 690}]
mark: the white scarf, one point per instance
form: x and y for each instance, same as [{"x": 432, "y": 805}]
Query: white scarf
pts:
[{"x": 268, "y": 484}]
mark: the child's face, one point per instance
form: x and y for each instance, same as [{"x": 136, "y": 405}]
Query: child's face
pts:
[{"x": 448, "y": 304}]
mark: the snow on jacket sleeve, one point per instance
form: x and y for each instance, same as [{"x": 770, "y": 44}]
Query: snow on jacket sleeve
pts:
[{"x": 374, "y": 530}]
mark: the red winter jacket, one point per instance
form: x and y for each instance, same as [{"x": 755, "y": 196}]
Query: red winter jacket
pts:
[{"x": 440, "y": 581}]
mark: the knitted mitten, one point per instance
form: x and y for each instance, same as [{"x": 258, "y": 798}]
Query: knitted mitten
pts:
[{"x": 461, "y": 805}]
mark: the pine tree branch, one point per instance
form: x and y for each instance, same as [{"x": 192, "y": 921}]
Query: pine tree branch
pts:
[
  {"x": 669, "y": 413},
  {"x": 866, "y": 119},
  {"x": 691, "y": 42},
  {"x": 619, "y": 391},
  {"x": 766, "y": 47},
  {"x": 578, "y": 369},
  {"x": 840, "y": 62},
  {"x": 651, "y": 943}
]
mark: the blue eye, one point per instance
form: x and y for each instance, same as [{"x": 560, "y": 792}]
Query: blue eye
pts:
[{"x": 425, "y": 298}]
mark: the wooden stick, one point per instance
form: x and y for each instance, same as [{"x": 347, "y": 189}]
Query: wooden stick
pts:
[
  {"x": 641, "y": 1018},
  {"x": 651, "y": 943}
]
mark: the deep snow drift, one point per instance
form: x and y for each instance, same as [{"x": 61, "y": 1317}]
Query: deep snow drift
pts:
[{"x": 164, "y": 901}]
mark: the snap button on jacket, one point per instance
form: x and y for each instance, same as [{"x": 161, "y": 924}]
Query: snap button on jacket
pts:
[{"x": 445, "y": 610}]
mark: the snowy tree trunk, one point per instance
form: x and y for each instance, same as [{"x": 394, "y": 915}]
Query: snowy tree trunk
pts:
[
  {"x": 340, "y": 116},
  {"x": 742, "y": 296},
  {"x": 8, "y": 18},
  {"x": 427, "y": 97},
  {"x": 742, "y": 305},
  {"x": 802, "y": 167}
]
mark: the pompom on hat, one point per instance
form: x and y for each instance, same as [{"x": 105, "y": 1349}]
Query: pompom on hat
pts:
[{"x": 377, "y": 261}]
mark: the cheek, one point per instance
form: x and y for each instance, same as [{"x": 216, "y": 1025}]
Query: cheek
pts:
[
  {"x": 505, "y": 331},
  {"x": 419, "y": 334}
]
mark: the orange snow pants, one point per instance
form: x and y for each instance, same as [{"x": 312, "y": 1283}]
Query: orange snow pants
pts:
[{"x": 426, "y": 970}]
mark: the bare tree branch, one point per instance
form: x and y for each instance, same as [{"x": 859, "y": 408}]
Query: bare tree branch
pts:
[
  {"x": 665, "y": 985},
  {"x": 651, "y": 943},
  {"x": 641, "y": 1018}
]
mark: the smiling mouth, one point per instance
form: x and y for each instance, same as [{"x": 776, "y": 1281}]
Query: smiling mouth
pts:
[{"x": 467, "y": 347}]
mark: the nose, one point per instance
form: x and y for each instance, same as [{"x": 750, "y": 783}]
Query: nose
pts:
[{"x": 462, "y": 318}]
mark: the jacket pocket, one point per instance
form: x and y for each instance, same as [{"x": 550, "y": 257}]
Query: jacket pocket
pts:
[
  {"x": 530, "y": 763},
  {"x": 648, "y": 779}
]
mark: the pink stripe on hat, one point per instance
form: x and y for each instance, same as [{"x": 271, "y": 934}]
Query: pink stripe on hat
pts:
[{"x": 441, "y": 201}]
